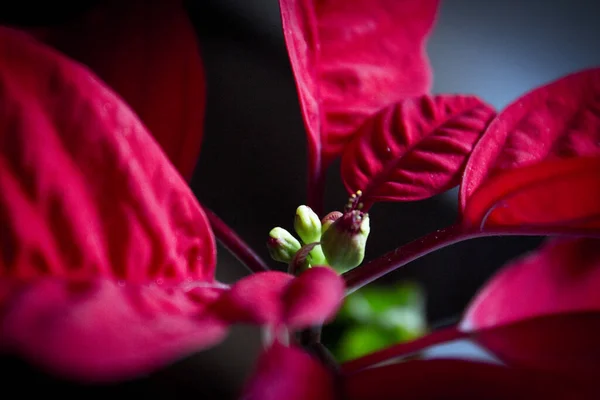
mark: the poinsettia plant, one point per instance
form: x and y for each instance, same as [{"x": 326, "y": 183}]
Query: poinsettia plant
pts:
[{"x": 107, "y": 259}]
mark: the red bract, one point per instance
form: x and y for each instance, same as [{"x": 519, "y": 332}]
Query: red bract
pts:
[
  {"x": 414, "y": 149},
  {"x": 351, "y": 59},
  {"x": 107, "y": 260},
  {"x": 561, "y": 279},
  {"x": 148, "y": 53},
  {"x": 516, "y": 164}
]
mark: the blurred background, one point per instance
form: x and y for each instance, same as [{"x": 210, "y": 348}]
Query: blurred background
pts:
[{"x": 252, "y": 168}]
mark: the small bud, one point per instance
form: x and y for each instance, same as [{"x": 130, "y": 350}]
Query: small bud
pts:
[
  {"x": 282, "y": 245},
  {"x": 344, "y": 242},
  {"x": 329, "y": 219},
  {"x": 307, "y": 225}
]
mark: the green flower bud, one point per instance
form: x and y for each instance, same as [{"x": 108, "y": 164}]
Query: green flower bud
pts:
[
  {"x": 282, "y": 245},
  {"x": 329, "y": 219},
  {"x": 307, "y": 225},
  {"x": 344, "y": 242}
]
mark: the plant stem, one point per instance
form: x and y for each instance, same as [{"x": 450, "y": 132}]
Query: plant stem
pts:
[
  {"x": 367, "y": 273},
  {"x": 403, "y": 349},
  {"x": 316, "y": 184},
  {"x": 235, "y": 244}
]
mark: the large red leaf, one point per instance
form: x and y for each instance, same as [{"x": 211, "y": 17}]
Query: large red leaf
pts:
[
  {"x": 92, "y": 217},
  {"x": 552, "y": 196},
  {"x": 353, "y": 58},
  {"x": 458, "y": 379},
  {"x": 148, "y": 53},
  {"x": 414, "y": 149},
  {"x": 558, "y": 121},
  {"x": 289, "y": 373},
  {"x": 561, "y": 278}
]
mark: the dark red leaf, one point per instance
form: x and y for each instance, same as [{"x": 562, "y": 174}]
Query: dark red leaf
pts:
[
  {"x": 148, "y": 53},
  {"x": 564, "y": 344},
  {"x": 560, "y": 279},
  {"x": 458, "y": 379},
  {"x": 414, "y": 149},
  {"x": 558, "y": 121},
  {"x": 289, "y": 373},
  {"x": 556, "y": 195},
  {"x": 353, "y": 58},
  {"x": 92, "y": 217},
  {"x": 276, "y": 298}
]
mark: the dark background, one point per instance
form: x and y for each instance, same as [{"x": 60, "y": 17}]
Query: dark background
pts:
[{"x": 252, "y": 168}]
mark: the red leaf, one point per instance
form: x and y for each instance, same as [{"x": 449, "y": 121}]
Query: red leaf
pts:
[
  {"x": 85, "y": 191},
  {"x": 557, "y": 121},
  {"x": 313, "y": 297},
  {"x": 278, "y": 298},
  {"x": 564, "y": 344},
  {"x": 88, "y": 199},
  {"x": 556, "y": 195},
  {"x": 148, "y": 53},
  {"x": 353, "y": 58},
  {"x": 414, "y": 149},
  {"x": 101, "y": 330},
  {"x": 562, "y": 278},
  {"x": 454, "y": 379},
  {"x": 289, "y": 373}
]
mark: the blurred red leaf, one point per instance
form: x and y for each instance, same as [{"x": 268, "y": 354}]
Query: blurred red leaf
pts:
[
  {"x": 353, "y": 58},
  {"x": 276, "y": 298},
  {"x": 458, "y": 379},
  {"x": 289, "y": 373},
  {"x": 560, "y": 120},
  {"x": 92, "y": 215},
  {"x": 148, "y": 53},
  {"x": 561, "y": 279},
  {"x": 414, "y": 149}
]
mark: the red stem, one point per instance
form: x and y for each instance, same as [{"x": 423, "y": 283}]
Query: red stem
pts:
[
  {"x": 316, "y": 184},
  {"x": 403, "y": 349},
  {"x": 235, "y": 244},
  {"x": 367, "y": 273}
]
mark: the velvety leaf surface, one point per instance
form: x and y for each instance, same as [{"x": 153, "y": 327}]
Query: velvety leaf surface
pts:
[
  {"x": 414, "y": 149},
  {"x": 288, "y": 373},
  {"x": 558, "y": 120},
  {"x": 457, "y": 379},
  {"x": 148, "y": 53},
  {"x": 92, "y": 216},
  {"x": 353, "y": 58},
  {"x": 560, "y": 279},
  {"x": 276, "y": 298},
  {"x": 556, "y": 195}
]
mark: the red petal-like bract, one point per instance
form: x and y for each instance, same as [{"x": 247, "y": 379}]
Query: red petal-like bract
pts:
[
  {"x": 98, "y": 231},
  {"x": 560, "y": 279},
  {"x": 352, "y": 58},
  {"x": 521, "y": 147},
  {"x": 458, "y": 379},
  {"x": 276, "y": 298},
  {"x": 414, "y": 149},
  {"x": 148, "y": 53},
  {"x": 289, "y": 373},
  {"x": 556, "y": 195}
]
